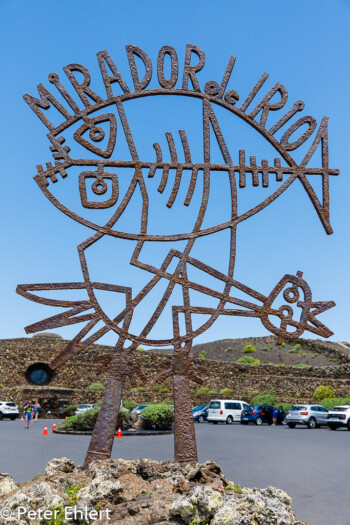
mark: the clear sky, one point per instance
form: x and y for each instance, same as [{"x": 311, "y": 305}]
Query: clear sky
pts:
[{"x": 302, "y": 44}]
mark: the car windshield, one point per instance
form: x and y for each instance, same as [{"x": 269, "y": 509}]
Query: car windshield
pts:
[
  {"x": 251, "y": 408},
  {"x": 339, "y": 409},
  {"x": 196, "y": 409},
  {"x": 11, "y": 404},
  {"x": 214, "y": 404},
  {"x": 297, "y": 407},
  {"x": 84, "y": 406}
]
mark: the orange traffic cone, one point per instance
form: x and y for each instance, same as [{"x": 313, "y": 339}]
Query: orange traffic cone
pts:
[
  {"x": 119, "y": 434},
  {"x": 45, "y": 431},
  {"x": 22, "y": 418},
  {"x": 53, "y": 426}
]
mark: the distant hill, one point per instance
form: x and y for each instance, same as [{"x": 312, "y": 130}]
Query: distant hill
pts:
[{"x": 293, "y": 352}]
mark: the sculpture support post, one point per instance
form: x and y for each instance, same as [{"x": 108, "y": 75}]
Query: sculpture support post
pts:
[
  {"x": 102, "y": 439},
  {"x": 185, "y": 447}
]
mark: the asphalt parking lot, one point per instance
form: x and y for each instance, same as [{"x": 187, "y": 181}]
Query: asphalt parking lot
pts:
[{"x": 312, "y": 466}]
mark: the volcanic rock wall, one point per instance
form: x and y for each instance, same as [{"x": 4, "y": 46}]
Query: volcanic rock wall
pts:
[{"x": 70, "y": 381}]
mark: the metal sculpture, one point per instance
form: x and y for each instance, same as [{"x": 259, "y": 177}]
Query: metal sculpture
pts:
[{"x": 104, "y": 193}]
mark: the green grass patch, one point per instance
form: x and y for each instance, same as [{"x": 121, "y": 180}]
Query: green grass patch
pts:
[
  {"x": 248, "y": 360},
  {"x": 95, "y": 387}
]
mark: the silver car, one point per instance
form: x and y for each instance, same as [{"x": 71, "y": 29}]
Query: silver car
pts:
[
  {"x": 138, "y": 409},
  {"x": 312, "y": 416}
]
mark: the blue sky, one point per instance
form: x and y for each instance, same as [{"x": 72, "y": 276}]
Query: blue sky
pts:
[{"x": 303, "y": 47}]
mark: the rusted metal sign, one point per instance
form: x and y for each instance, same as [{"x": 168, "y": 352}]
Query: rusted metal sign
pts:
[{"x": 93, "y": 121}]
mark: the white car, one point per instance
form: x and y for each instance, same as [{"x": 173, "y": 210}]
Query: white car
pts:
[
  {"x": 226, "y": 410},
  {"x": 339, "y": 416},
  {"x": 83, "y": 408},
  {"x": 8, "y": 409}
]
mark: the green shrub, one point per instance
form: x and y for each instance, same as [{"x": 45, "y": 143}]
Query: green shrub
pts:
[
  {"x": 229, "y": 349},
  {"x": 292, "y": 351},
  {"x": 95, "y": 386},
  {"x": 226, "y": 392},
  {"x": 334, "y": 401},
  {"x": 302, "y": 365},
  {"x": 162, "y": 389},
  {"x": 203, "y": 390},
  {"x": 163, "y": 402},
  {"x": 248, "y": 360},
  {"x": 138, "y": 389},
  {"x": 235, "y": 487},
  {"x": 263, "y": 399},
  {"x": 69, "y": 410},
  {"x": 249, "y": 349},
  {"x": 129, "y": 405},
  {"x": 265, "y": 349},
  {"x": 1, "y": 385},
  {"x": 159, "y": 417},
  {"x": 86, "y": 420},
  {"x": 213, "y": 392},
  {"x": 323, "y": 392},
  {"x": 297, "y": 347},
  {"x": 267, "y": 397},
  {"x": 202, "y": 355}
]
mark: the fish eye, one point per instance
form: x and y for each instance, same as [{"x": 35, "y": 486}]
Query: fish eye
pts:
[
  {"x": 96, "y": 133},
  {"x": 97, "y": 183}
]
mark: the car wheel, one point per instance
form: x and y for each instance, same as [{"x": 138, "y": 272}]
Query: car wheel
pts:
[
  {"x": 229, "y": 420},
  {"x": 291, "y": 425},
  {"x": 1, "y": 416},
  {"x": 311, "y": 423},
  {"x": 332, "y": 427},
  {"x": 348, "y": 425},
  {"x": 201, "y": 419},
  {"x": 258, "y": 421}
]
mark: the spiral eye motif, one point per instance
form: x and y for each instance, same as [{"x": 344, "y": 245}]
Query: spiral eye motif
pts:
[
  {"x": 97, "y": 134},
  {"x": 99, "y": 187}
]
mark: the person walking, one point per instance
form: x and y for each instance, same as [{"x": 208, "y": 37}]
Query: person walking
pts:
[
  {"x": 36, "y": 407},
  {"x": 27, "y": 408},
  {"x": 274, "y": 416}
]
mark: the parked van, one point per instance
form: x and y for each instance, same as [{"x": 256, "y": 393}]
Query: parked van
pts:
[{"x": 226, "y": 410}]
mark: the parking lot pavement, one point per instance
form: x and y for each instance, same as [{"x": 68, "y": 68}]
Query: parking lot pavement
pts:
[{"x": 312, "y": 466}]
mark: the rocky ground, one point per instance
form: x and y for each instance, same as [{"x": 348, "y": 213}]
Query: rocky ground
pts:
[{"x": 142, "y": 492}]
